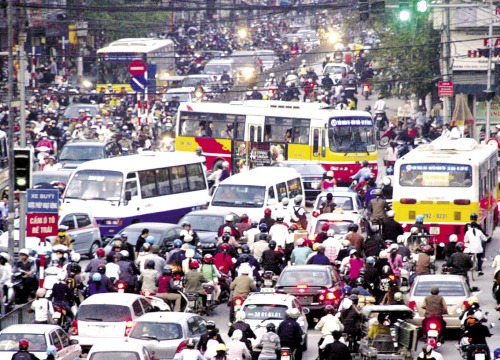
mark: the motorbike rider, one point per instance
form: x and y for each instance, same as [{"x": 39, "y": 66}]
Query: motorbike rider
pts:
[
  {"x": 328, "y": 323},
  {"x": 63, "y": 238},
  {"x": 378, "y": 207},
  {"x": 380, "y": 107},
  {"x": 27, "y": 267},
  {"x": 94, "y": 263},
  {"x": 245, "y": 329},
  {"x": 371, "y": 274},
  {"x": 223, "y": 260},
  {"x": 167, "y": 289},
  {"x": 419, "y": 224},
  {"x": 334, "y": 348},
  {"x": 300, "y": 253},
  {"x": 459, "y": 262},
  {"x": 351, "y": 318},
  {"x": 96, "y": 286},
  {"x": 478, "y": 333},
  {"x": 190, "y": 353},
  {"x": 435, "y": 307},
  {"x": 269, "y": 343},
  {"x": 229, "y": 222},
  {"x": 298, "y": 214},
  {"x": 327, "y": 82},
  {"x": 357, "y": 240},
  {"x": 225, "y": 77},
  {"x": 42, "y": 307},
  {"x": 290, "y": 333},
  {"x": 332, "y": 246},
  {"x": 279, "y": 230},
  {"x": 176, "y": 255},
  {"x": 128, "y": 272},
  {"x": 272, "y": 259},
  {"x": 211, "y": 273},
  {"x": 267, "y": 219},
  {"x": 391, "y": 229},
  {"x": 211, "y": 331},
  {"x": 106, "y": 281},
  {"x": 194, "y": 280},
  {"x": 387, "y": 188},
  {"x": 476, "y": 238},
  {"x": 149, "y": 277},
  {"x": 450, "y": 248},
  {"x": 403, "y": 250},
  {"x": 23, "y": 353},
  {"x": 242, "y": 285},
  {"x": 127, "y": 246},
  {"x": 423, "y": 260},
  {"x": 365, "y": 170},
  {"x": 62, "y": 295},
  {"x": 473, "y": 220}
]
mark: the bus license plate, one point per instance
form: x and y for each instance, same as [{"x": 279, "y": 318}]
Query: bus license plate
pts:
[
  {"x": 434, "y": 230},
  {"x": 481, "y": 356}
]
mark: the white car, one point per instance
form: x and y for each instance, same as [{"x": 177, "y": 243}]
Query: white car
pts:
[
  {"x": 82, "y": 228},
  {"x": 119, "y": 350},
  {"x": 335, "y": 70},
  {"x": 261, "y": 309},
  {"x": 339, "y": 221},
  {"x": 40, "y": 337},
  {"x": 107, "y": 317}
]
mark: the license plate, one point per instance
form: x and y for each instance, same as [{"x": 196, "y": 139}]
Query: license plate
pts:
[
  {"x": 432, "y": 333},
  {"x": 268, "y": 282},
  {"x": 266, "y": 290},
  {"x": 434, "y": 230},
  {"x": 304, "y": 300},
  {"x": 480, "y": 356},
  {"x": 56, "y": 315},
  {"x": 287, "y": 357}
]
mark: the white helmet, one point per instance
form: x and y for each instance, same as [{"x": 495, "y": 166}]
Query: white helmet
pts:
[
  {"x": 225, "y": 164},
  {"x": 293, "y": 313},
  {"x": 330, "y": 233},
  {"x": 414, "y": 230},
  {"x": 285, "y": 201},
  {"x": 229, "y": 218},
  {"x": 190, "y": 253},
  {"x": 227, "y": 229},
  {"x": 5, "y": 256},
  {"x": 240, "y": 315},
  {"x": 453, "y": 238},
  {"x": 183, "y": 233},
  {"x": 386, "y": 181},
  {"x": 383, "y": 254},
  {"x": 75, "y": 257},
  {"x": 188, "y": 238},
  {"x": 391, "y": 213},
  {"x": 400, "y": 239},
  {"x": 61, "y": 276},
  {"x": 24, "y": 251}
]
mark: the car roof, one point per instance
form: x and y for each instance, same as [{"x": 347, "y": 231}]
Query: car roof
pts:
[
  {"x": 307, "y": 268},
  {"x": 29, "y": 329},
  {"x": 339, "y": 189},
  {"x": 219, "y": 62},
  {"x": 211, "y": 212},
  {"x": 435, "y": 277},
  {"x": 367, "y": 309},
  {"x": 261, "y": 176},
  {"x": 117, "y": 346},
  {"x": 340, "y": 216},
  {"x": 151, "y": 226},
  {"x": 111, "y": 299},
  {"x": 268, "y": 298},
  {"x": 86, "y": 144},
  {"x": 165, "y": 317}
]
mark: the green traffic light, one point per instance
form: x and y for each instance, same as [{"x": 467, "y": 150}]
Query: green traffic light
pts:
[
  {"x": 404, "y": 15},
  {"x": 422, "y": 6},
  {"x": 21, "y": 182}
]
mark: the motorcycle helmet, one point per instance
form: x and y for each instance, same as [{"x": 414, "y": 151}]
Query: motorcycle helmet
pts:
[
  {"x": 272, "y": 244},
  {"x": 220, "y": 347},
  {"x": 117, "y": 244},
  {"x": 293, "y": 313},
  {"x": 414, "y": 230},
  {"x": 229, "y": 218},
  {"x": 240, "y": 315},
  {"x": 191, "y": 343},
  {"x": 434, "y": 290},
  {"x": 167, "y": 270},
  {"x": 96, "y": 277},
  {"x": 75, "y": 268},
  {"x": 226, "y": 237},
  {"x": 325, "y": 227},
  {"x": 150, "y": 240},
  {"x": 386, "y": 270},
  {"x": 330, "y": 233},
  {"x": 370, "y": 260},
  {"x": 225, "y": 247},
  {"x": 473, "y": 217},
  {"x": 362, "y": 272},
  {"x": 459, "y": 246},
  {"x": 101, "y": 269},
  {"x": 194, "y": 264},
  {"x": 386, "y": 181},
  {"x": 428, "y": 249},
  {"x": 185, "y": 223},
  {"x": 353, "y": 228},
  {"x": 150, "y": 264},
  {"x": 40, "y": 293},
  {"x": 285, "y": 201},
  {"x": 208, "y": 258},
  {"x": 27, "y": 253},
  {"x": 271, "y": 327},
  {"x": 398, "y": 296},
  {"x": 177, "y": 243},
  {"x": 360, "y": 281},
  {"x": 24, "y": 344},
  {"x": 210, "y": 324},
  {"x": 419, "y": 219},
  {"x": 244, "y": 258},
  {"x": 400, "y": 239},
  {"x": 100, "y": 252},
  {"x": 263, "y": 227},
  {"x": 383, "y": 254},
  {"x": 51, "y": 350},
  {"x": 5, "y": 256},
  {"x": 453, "y": 238},
  {"x": 75, "y": 257},
  {"x": 267, "y": 212},
  {"x": 346, "y": 290},
  {"x": 245, "y": 249},
  {"x": 478, "y": 315},
  {"x": 190, "y": 253},
  {"x": 391, "y": 213},
  {"x": 254, "y": 224},
  {"x": 61, "y": 276}
]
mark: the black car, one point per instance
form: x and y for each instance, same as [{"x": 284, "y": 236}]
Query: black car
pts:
[
  {"x": 314, "y": 286},
  {"x": 311, "y": 173},
  {"x": 206, "y": 223}
]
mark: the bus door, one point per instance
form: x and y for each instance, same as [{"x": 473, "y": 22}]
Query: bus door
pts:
[
  {"x": 318, "y": 148},
  {"x": 255, "y": 129}
]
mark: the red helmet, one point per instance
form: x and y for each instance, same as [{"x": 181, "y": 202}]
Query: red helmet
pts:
[
  {"x": 224, "y": 247},
  {"x": 267, "y": 212},
  {"x": 24, "y": 344},
  {"x": 208, "y": 258},
  {"x": 427, "y": 249},
  {"x": 194, "y": 264},
  {"x": 100, "y": 252},
  {"x": 325, "y": 227}
]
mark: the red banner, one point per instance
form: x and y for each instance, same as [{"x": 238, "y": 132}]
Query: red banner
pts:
[{"x": 42, "y": 225}]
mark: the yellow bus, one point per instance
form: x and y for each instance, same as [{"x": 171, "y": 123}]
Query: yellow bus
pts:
[{"x": 446, "y": 181}]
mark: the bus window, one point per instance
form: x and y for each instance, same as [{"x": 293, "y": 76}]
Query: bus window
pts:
[
  {"x": 287, "y": 129},
  {"x": 252, "y": 132},
  {"x": 316, "y": 141},
  {"x": 195, "y": 177},
  {"x": 259, "y": 133},
  {"x": 148, "y": 183},
  {"x": 131, "y": 185},
  {"x": 270, "y": 194},
  {"x": 239, "y": 127},
  {"x": 294, "y": 187},
  {"x": 191, "y": 125},
  {"x": 178, "y": 179},
  {"x": 323, "y": 143},
  {"x": 281, "y": 188},
  {"x": 163, "y": 182}
]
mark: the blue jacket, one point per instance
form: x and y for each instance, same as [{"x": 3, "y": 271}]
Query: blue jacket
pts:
[{"x": 319, "y": 259}]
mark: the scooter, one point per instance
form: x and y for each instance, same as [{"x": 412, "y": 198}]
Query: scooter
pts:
[
  {"x": 387, "y": 136},
  {"x": 236, "y": 306},
  {"x": 433, "y": 331},
  {"x": 269, "y": 282},
  {"x": 287, "y": 354},
  {"x": 366, "y": 90},
  {"x": 60, "y": 317},
  {"x": 380, "y": 120}
]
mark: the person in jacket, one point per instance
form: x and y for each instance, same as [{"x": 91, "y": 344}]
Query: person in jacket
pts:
[
  {"x": 332, "y": 246},
  {"x": 42, "y": 307},
  {"x": 245, "y": 329},
  {"x": 395, "y": 260},
  {"x": 378, "y": 207},
  {"x": 290, "y": 332},
  {"x": 475, "y": 238},
  {"x": 328, "y": 323},
  {"x": 272, "y": 259},
  {"x": 269, "y": 343},
  {"x": 194, "y": 280},
  {"x": 336, "y": 350},
  {"x": 242, "y": 285},
  {"x": 236, "y": 348},
  {"x": 94, "y": 263},
  {"x": 223, "y": 261},
  {"x": 435, "y": 307},
  {"x": 391, "y": 228},
  {"x": 355, "y": 264},
  {"x": 96, "y": 286},
  {"x": 356, "y": 239},
  {"x": 320, "y": 258},
  {"x": 167, "y": 288},
  {"x": 459, "y": 262},
  {"x": 204, "y": 338},
  {"x": 351, "y": 318},
  {"x": 149, "y": 277}
]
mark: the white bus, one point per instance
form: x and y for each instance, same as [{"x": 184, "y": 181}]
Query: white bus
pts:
[
  {"x": 151, "y": 186},
  {"x": 446, "y": 181},
  {"x": 114, "y": 59}
]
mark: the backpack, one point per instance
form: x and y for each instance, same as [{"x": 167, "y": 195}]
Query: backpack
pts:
[
  {"x": 70, "y": 281},
  {"x": 302, "y": 219},
  {"x": 22, "y": 355}
]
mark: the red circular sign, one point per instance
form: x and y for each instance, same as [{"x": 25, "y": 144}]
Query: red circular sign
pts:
[{"x": 137, "y": 68}]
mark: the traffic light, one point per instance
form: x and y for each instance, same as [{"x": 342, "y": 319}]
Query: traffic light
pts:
[
  {"x": 404, "y": 11},
  {"x": 364, "y": 10},
  {"x": 23, "y": 163},
  {"x": 421, "y": 5}
]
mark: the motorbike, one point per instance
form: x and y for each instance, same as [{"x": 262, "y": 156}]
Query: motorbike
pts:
[
  {"x": 269, "y": 281},
  {"x": 195, "y": 303},
  {"x": 366, "y": 90},
  {"x": 211, "y": 303},
  {"x": 224, "y": 283},
  {"x": 380, "y": 120},
  {"x": 157, "y": 303},
  {"x": 387, "y": 136},
  {"x": 433, "y": 331},
  {"x": 120, "y": 286},
  {"x": 236, "y": 305},
  {"x": 60, "y": 317},
  {"x": 287, "y": 354}
]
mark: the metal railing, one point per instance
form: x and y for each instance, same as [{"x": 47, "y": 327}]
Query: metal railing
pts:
[{"x": 19, "y": 315}]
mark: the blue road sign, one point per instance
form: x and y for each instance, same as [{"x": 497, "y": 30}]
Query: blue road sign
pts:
[
  {"x": 45, "y": 201},
  {"x": 138, "y": 83}
]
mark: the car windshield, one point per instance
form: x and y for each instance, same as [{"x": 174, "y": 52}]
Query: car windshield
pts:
[
  {"x": 49, "y": 176},
  {"x": 195, "y": 81},
  {"x": 435, "y": 175},
  {"x": 115, "y": 355},
  {"x": 74, "y": 111},
  {"x": 348, "y": 135},
  {"x": 103, "y": 313},
  {"x": 239, "y": 196},
  {"x": 446, "y": 288},
  {"x": 204, "y": 222},
  {"x": 82, "y": 152},
  {"x": 133, "y": 235},
  {"x": 10, "y": 342},
  {"x": 307, "y": 169},
  {"x": 262, "y": 312},
  {"x": 183, "y": 97},
  {"x": 345, "y": 202},
  {"x": 292, "y": 277},
  {"x": 95, "y": 185},
  {"x": 340, "y": 227},
  {"x": 156, "y": 330},
  {"x": 213, "y": 69},
  {"x": 335, "y": 70}
]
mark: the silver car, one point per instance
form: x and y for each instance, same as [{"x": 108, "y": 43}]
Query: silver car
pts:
[{"x": 166, "y": 334}]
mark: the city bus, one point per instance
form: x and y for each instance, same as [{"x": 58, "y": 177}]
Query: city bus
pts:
[
  {"x": 446, "y": 181},
  {"x": 114, "y": 59},
  {"x": 150, "y": 186},
  {"x": 258, "y": 133}
]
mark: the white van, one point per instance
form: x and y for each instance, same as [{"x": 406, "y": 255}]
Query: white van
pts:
[
  {"x": 216, "y": 67},
  {"x": 335, "y": 70},
  {"x": 251, "y": 192}
]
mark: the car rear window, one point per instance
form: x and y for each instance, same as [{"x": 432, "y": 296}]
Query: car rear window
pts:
[
  {"x": 103, "y": 313},
  {"x": 446, "y": 288},
  {"x": 10, "y": 342},
  {"x": 203, "y": 222},
  {"x": 344, "y": 202},
  {"x": 120, "y": 355},
  {"x": 156, "y": 331},
  {"x": 337, "y": 226},
  {"x": 306, "y": 277},
  {"x": 263, "y": 312}
]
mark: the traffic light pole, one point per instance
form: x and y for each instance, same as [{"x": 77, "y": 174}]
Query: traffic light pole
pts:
[
  {"x": 22, "y": 131},
  {"x": 488, "y": 79}
]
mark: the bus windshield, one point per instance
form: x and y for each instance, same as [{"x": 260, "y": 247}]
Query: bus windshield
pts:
[
  {"x": 351, "y": 135},
  {"x": 95, "y": 185},
  {"x": 113, "y": 72},
  {"x": 435, "y": 175},
  {"x": 239, "y": 196}
]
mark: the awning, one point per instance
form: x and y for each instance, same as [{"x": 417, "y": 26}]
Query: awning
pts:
[{"x": 470, "y": 82}]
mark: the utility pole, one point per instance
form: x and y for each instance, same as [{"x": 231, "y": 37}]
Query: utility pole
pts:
[
  {"x": 10, "y": 135},
  {"x": 489, "y": 93},
  {"x": 447, "y": 55},
  {"x": 22, "y": 37}
]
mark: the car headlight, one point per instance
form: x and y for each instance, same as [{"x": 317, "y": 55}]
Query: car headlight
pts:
[
  {"x": 247, "y": 73},
  {"x": 315, "y": 184}
]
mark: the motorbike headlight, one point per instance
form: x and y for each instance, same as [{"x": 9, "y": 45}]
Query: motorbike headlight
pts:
[{"x": 248, "y": 74}]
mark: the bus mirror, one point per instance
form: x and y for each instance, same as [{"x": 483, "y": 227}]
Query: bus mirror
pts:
[{"x": 128, "y": 195}]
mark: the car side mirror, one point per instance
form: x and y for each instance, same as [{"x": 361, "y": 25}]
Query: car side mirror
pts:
[
  {"x": 128, "y": 195},
  {"x": 306, "y": 311},
  {"x": 74, "y": 342},
  {"x": 474, "y": 289}
]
